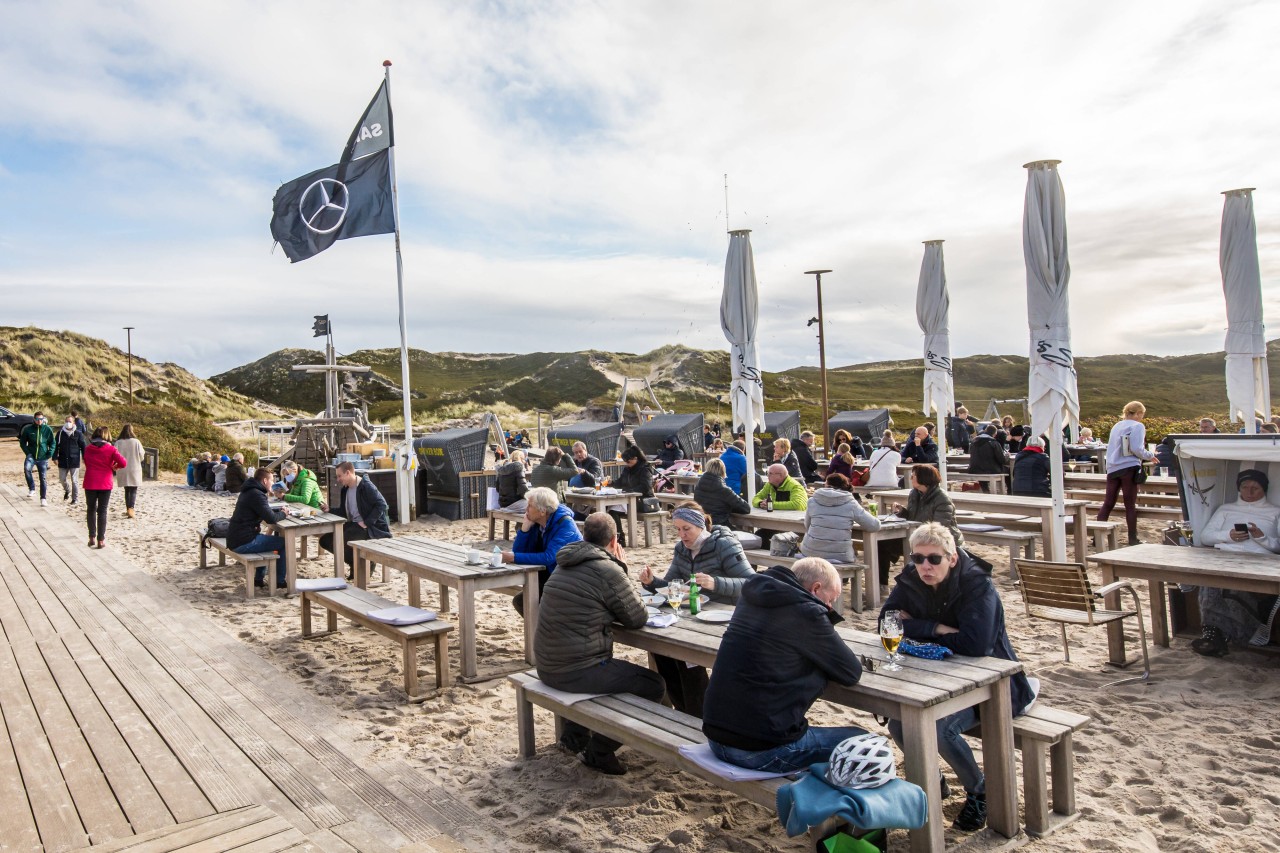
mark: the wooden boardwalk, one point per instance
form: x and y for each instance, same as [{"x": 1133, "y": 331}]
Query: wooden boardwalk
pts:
[{"x": 129, "y": 721}]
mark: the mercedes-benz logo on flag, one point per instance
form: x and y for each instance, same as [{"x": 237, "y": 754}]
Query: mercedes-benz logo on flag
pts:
[{"x": 323, "y": 205}]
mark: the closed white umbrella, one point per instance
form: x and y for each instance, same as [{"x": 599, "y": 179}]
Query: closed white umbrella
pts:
[
  {"x": 1248, "y": 380},
  {"x": 739, "y": 311},
  {"x": 1051, "y": 382},
  {"x": 932, "y": 308}
]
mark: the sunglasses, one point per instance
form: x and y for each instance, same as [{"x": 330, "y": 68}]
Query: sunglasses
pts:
[
  {"x": 868, "y": 663},
  {"x": 934, "y": 559}
]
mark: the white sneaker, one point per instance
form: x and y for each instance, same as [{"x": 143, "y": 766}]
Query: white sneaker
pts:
[
  {"x": 44, "y": 502},
  {"x": 31, "y": 494}
]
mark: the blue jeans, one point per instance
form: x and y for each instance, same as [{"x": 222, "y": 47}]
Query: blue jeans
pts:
[
  {"x": 954, "y": 749},
  {"x": 41, "y": 465},
  {"x": 263, "y": 542},
  {"x": 813, "y": 746}
]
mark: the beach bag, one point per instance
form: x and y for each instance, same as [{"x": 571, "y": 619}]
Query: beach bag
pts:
[
  {"x": 860, "y": 478},
  {"x": 784, "y": 545},
  {"x": 216, "y": 528}
]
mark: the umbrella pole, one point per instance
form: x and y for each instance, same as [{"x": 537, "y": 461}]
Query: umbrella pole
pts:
[
  {"x": 942, "y": 448},
  {"x": 1058, "y": 547}
]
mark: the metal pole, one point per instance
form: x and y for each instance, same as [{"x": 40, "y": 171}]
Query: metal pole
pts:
[
  {"x": 129, "y": 332},
  {"x": 406, "y": 493},
  {"x": 822, "y": 362}
]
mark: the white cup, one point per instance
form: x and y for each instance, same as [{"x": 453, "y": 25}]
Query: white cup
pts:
[
  {"x": 473, "y": 556},
  {"x": 495, "y": 560}
]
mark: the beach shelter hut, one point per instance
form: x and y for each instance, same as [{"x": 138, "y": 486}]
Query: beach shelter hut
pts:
[
  {"x": 1248, "y": 380},
  {"x": 1051, "y": 383},
  {"x": 932, "y": 308},
  {"x": 739, "y": 312}
]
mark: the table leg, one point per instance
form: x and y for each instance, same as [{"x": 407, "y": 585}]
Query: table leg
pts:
[
  {"x": 290, "y": 557},
  {"x": 997, "y": 761},
  {"x": 415, "y": 590},
  {"x": 871, "y": 577},
  {"x": 530, "y": 613},
  {"x": 632, "y": 509},
  {"x": 444, "y": 598},
  {"x": 467, "y": 628},
  {"x": 1082, "y": 534},
  {"x": 360, "y": 567},
  {"x": 920, "y": 766},
  {"x": 1049, "y": 528},
  {"x": 339, "y": 553},
  {"x": 1115, "y": 631},
  {"x": 1159, "y": 617}
]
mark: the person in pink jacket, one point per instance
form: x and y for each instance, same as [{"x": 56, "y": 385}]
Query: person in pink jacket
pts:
[{"x": 101, "y": 461}]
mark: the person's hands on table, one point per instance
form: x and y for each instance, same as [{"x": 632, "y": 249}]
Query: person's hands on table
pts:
[
  {"x": 324, "y": 507},
  {"x": 941, "y": 630},
  {"x": 646, "y": 575},
  {"x": 705, "y": 580},
  {"x": 508, "y": 557},
  {"x": 898, "y": 508}
]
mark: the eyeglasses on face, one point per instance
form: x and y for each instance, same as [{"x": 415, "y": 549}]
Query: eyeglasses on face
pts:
[{"x": 934, "y": 559}]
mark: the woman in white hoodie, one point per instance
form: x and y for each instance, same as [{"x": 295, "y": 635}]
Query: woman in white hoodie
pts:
[{"x": 829, "y": 519}]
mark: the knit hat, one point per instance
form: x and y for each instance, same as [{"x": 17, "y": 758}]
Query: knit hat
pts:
[
  {"x": 1255, "y": 475},
  {"x": 888, "y": 441},
  {"x": 225, "y": 458}
]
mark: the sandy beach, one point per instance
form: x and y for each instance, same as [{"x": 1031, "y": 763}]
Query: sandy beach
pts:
[{"x": 1190, "y": 762}]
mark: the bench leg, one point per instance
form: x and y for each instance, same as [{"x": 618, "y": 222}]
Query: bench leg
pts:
[
  {"x": 248, "y": 581},
  {"x": 855, "y": 592},
  {"x": 204, "y": 554},
  {"x": 1063, "y": 766},
  {"x": 493, "y": 525},
  {"x": 409, "y": 657},
  {"x": 524, "y": 723},
  {"x": 1013, "y": 555},
  {"x": 442, "y": 659},
  {"x": 1034, "y": 786},
  {"x": 306, "y": 615}
]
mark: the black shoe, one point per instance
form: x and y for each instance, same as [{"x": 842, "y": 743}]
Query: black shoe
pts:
[
  {"x": 1212, "y": 643},
  {"x": 609, "y": 764},
  {"x": 944, "y": 790},
  {"x": 259, "y": 583},
  {"x": 974, "y": 814},
  {"x": 282, "y": 584},
  {"x": 573, "y": 744}
]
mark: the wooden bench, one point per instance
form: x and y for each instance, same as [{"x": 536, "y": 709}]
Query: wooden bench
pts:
[
  {"x": 1047, "y": 732},
  {"x": 1019, "y": 542},
  {"x": 658, "y": 520},
  {"x": 356, "y": 604},
  {"x": 506, "y": 516},
  {"x": 851, "y": 572},
  {"x": 251, "y": 562},
  {"x": 647, "y": 727}
]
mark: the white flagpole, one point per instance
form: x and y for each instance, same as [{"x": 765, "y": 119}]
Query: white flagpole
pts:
[{"x": 404, "y": 468}]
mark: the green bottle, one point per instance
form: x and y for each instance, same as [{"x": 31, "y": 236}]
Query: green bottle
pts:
[{"x": 694, "y": 592}]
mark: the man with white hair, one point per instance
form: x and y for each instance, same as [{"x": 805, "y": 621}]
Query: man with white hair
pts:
[
  {"x": 783, "y": 635},
  {"x": 547, "y": 527}
]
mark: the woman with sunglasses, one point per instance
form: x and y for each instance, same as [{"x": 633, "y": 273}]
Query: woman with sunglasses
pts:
[{"x": 944, "y": 597}]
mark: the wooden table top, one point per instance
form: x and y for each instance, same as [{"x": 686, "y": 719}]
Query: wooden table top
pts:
[
  {"x": 319, "y": 518},
  {"x": 1207, "y": 562},
  {"x": 442, "y": 557}
]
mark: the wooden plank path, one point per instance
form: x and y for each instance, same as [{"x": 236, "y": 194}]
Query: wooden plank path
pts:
[{"x": 130, "y": 721}]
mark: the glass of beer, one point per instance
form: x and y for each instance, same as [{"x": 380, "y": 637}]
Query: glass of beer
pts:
[
  {"x": 675, "y": 592},
  {"x": 890, "y": 637}
]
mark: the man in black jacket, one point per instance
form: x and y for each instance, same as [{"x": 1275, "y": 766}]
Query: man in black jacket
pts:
[
  {"x": 782, "y": 635},
  {"x": 244, "y": 535},
  {"x": 987, "y": 456},
  {"x": 363, "y": 506},
  {"x": 921, "y": 449},
  {"x": 590, "y": 469},
  {"x": 804, "y": 452},
  {"x": 1031, "y": 470}
]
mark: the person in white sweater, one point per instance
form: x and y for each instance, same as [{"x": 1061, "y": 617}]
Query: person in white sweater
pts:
[{"x": 883, "y": 464}]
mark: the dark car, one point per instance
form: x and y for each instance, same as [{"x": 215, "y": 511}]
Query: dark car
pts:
[{"x": 11, "y": 424}]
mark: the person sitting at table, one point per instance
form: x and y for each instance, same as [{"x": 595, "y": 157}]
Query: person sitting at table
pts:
[
  {"x": 841, "y": 461},
  {"x": 511, "y": 483},
  {"x": 735, "y": 466},
  {"x": 1165, "y": 456},
  {"x": 1234, "y": 616},
  {"x": 856, "y": 447},
  {"x": 220, "y": 473},
  {"x": 553, "y": 472},
  {"x": 717, "y": 447},
  {"x": 711, "y": 555},
  {"x": 235, "y": 474},
  {"x": 715, "y": 496},
  {"x": 363, "y": 507},
  {"x": 882, "y": 467},
  {"x": 783, "y": 490},
  {"x": 927, "y": 502},
  {"x": 244, "y": 534},
  {"x": 944, "y": 597},
  {"x": 829, "y": 519},
  {"x": 921, "y": 449},
  {"x": 589, "y": 591},
  {"x": 636, "y": 476},
  {"x": 590, "y": 469},
  {"x": 1031, "y": 470},
  {"x": 803, "y": 451},
  {"x": 987, "y": 456},
  {"x": 303, "y": 488},
  {"x": 671, "y": 452},
  {"x": 784, "y": 455},
  {"x": 547, "y": 527},
  {"x": 779, "y": 652}
]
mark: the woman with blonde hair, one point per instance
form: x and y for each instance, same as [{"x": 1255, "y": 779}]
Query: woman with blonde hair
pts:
[
  {"x": 1126, "y": 451},
  {"x": 784, "y": 455}
]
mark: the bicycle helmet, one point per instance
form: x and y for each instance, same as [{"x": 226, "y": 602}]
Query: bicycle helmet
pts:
[{"x": 862, "y": 761}]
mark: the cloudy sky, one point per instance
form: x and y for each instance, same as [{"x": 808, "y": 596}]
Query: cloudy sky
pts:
[{"x": 561, "y": 168}]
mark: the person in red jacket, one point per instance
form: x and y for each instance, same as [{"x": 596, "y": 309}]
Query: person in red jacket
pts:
[{"x": 101, "y": 461}]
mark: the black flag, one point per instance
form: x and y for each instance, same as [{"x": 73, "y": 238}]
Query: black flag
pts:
[
  {"x": 341, "y": 201},
  {"x": 373, "y": 131},
  {"x": 320, "y": 326}
]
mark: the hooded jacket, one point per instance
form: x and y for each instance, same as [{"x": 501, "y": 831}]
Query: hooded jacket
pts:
[
  {"x": 69, "y": 448},
  {"x": 829, "y": 520},
  {"x": 797, "y": 497},
  {"x": 669, "y": 455},
  {"x": 1031, "y": 473},
  {"x": 735, "y": 468},
  {"x": 718, "y": 500},
  {"x": 986, "y": 456},
  {"x": 512, "y": 485},
  {"x": 775, "y": 659},
  {"x": 638, "y": 478},
  {"x": 251, "y": 510},
  {"x": 305, "y": 490},
  {"x": 101, "y": 460},
  {"x": 966, "y": 600},
  {"x": 235, "y": 477},
  {"x": 539, "y": 545},
  {"x": 585, "y": 595},
  {"x": 720, "y": 556}
]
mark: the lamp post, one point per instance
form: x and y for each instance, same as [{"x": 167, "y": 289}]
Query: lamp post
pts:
[
  {"x": 129, "y": 331},
  {"x": 822, "y": 359}
]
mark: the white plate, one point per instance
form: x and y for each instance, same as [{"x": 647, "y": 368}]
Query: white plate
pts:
[
  {"x": 475, "y": 563},
  {"x": 652, "y": 611},
  {"x": 653, "y": 599},
  {"x": 715, "y": 615}
]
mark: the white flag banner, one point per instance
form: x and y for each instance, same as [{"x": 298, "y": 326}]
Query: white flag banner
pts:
[{"x": 1248, "y": 378}]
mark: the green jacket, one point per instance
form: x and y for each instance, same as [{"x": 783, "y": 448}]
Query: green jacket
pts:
[
  {"x": 797, "y": 497},
  {"x": 37, "y": 441},
  {"x": 305, "y": 489}
]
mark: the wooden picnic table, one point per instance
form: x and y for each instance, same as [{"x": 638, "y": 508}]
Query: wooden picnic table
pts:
[
  {"x": 957, "y": 475},
  {"x": 685, "y": 480},
  {"x": 1096, "y": 495},
  {"x": 920, "y": 694},
  {"x": 1014, "y": 505},
  {"x": 597, "y": 501},
  {"x": 1153, "y": 485},
  {"x": 292, "y": 529},
  {"x": 445, "y": 563},
  {"x": 792, "y": 520},
  {"x": 1159, "y": 565}
]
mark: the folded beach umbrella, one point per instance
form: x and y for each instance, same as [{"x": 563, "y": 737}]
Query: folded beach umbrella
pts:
[
  {"x": 1248, "y": 380},
  {"x": 1051, "y": 383},
  {"x": 932, "y": 308},
  {"x": 739, "y": 311}
]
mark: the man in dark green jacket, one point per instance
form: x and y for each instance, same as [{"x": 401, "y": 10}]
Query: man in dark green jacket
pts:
[
  {"x": 584, "y": 596},
  {"x": 37, "y": 443}
]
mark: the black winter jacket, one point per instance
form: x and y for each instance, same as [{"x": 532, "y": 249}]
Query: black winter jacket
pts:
[
  {"x": 251, "y": 510},
  {"x": 920, "y": 454},
  {"x": 69, "y": 449},
  {"x": 792, "y": 463},
  {"x": 1031, "y": 473},
  {"x": 668, "y": 456},
  {"x": 808, "y": 465},
  {"x": 371, "y": 505},
  {"x": 235, "y": 477},
  {"x": 512, "y": 484},
  {"x": 635, "y": 479},
  {"x": 718, "y": 500},
  {"x": 778, "y": 654},
  {"x": 986, "y": 456},
  {"x": 966, "y": 600}
]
